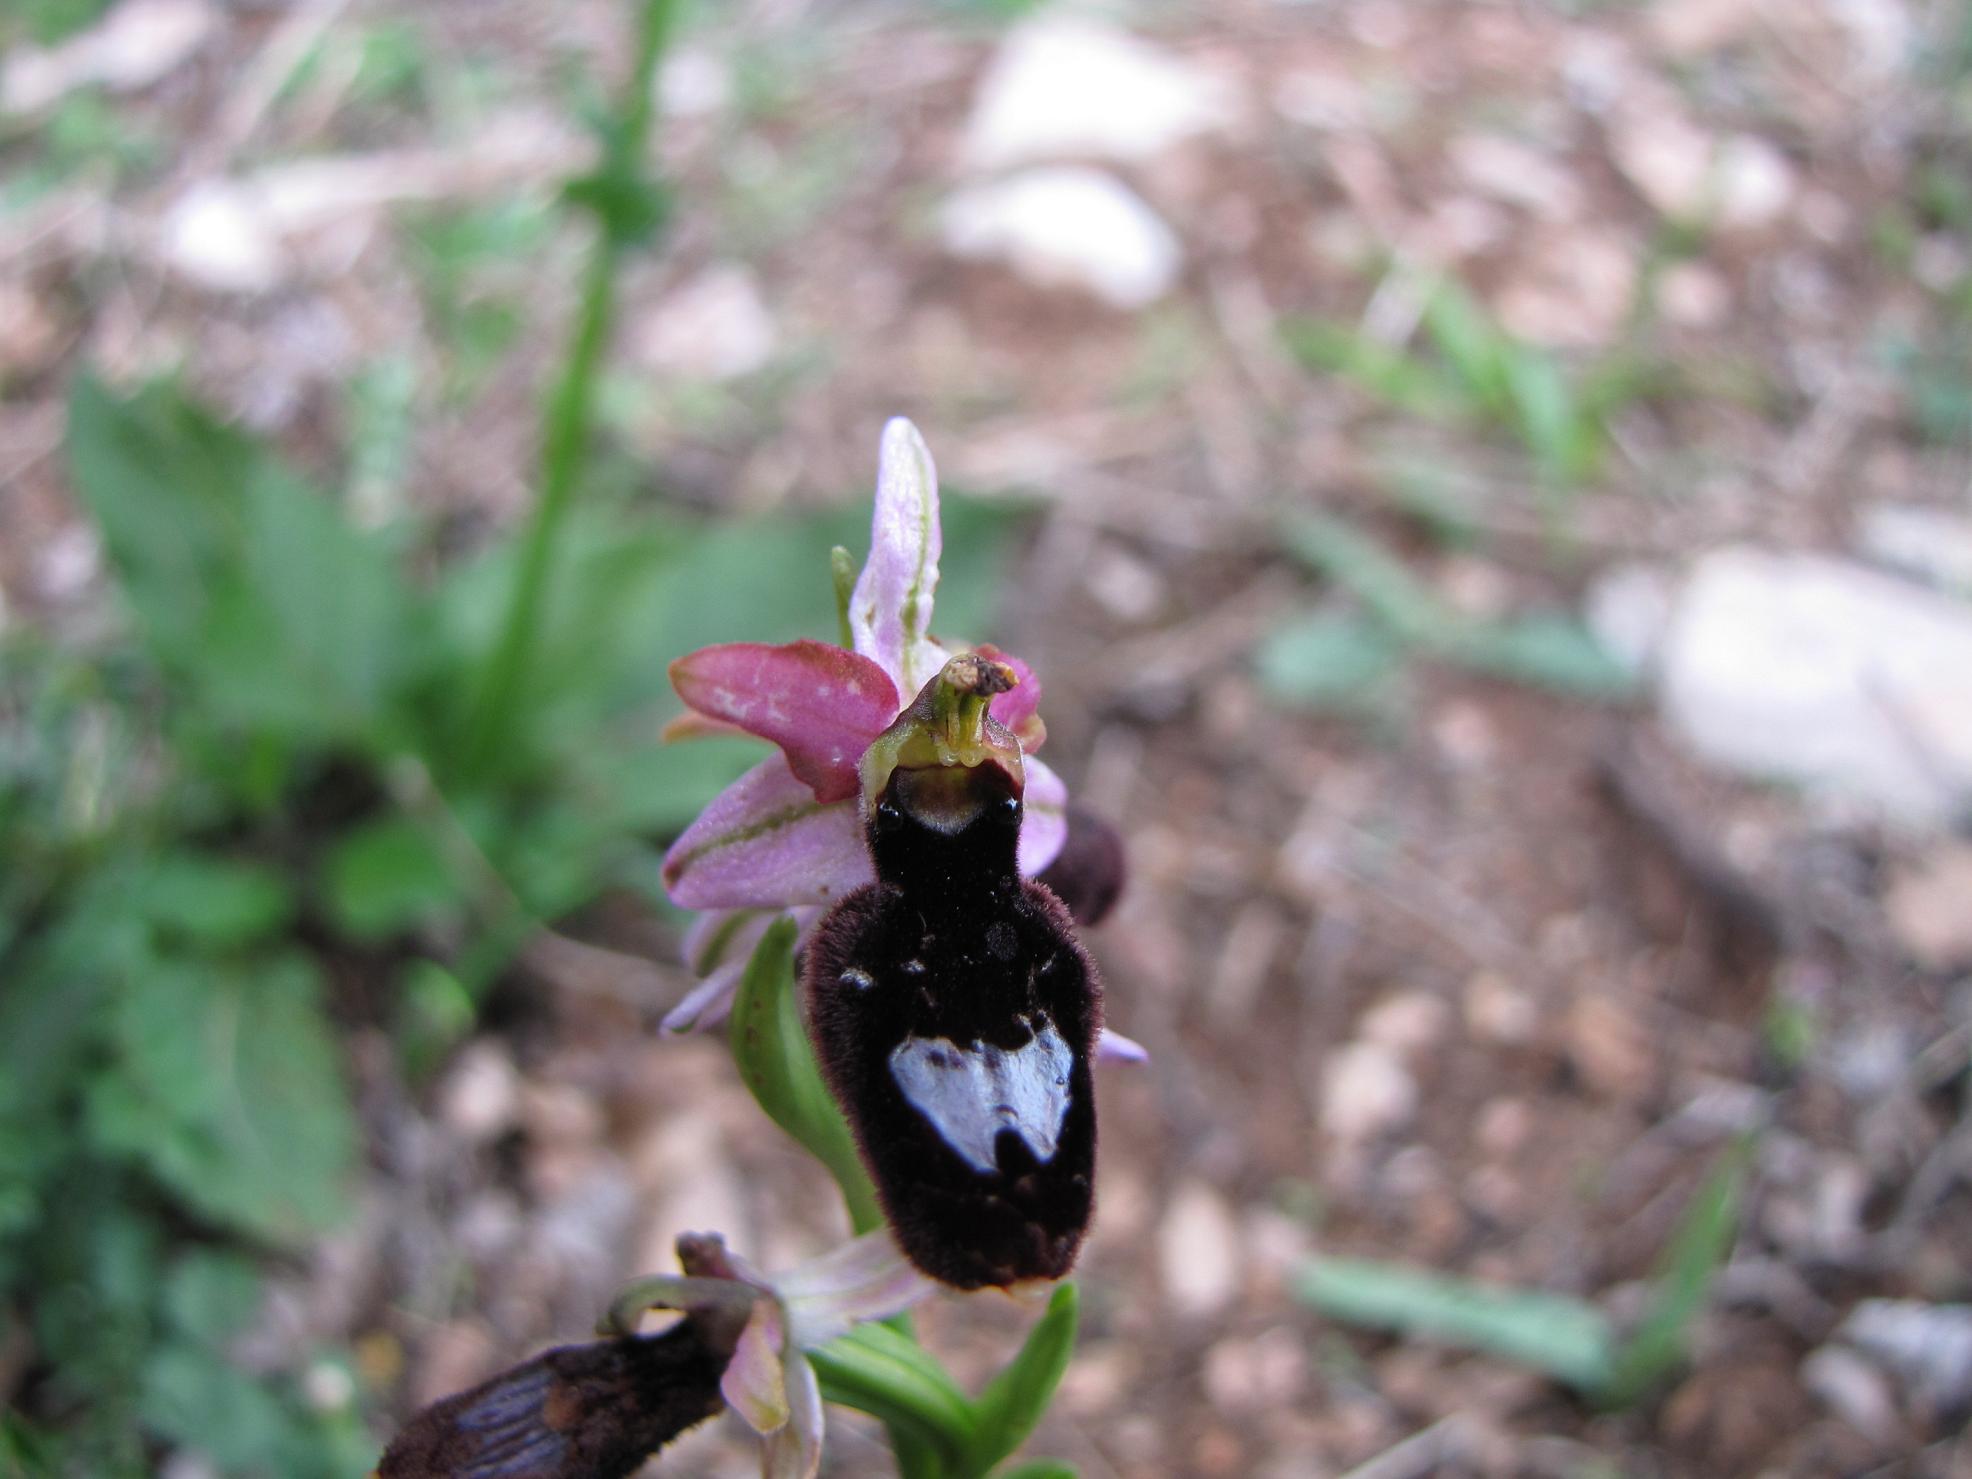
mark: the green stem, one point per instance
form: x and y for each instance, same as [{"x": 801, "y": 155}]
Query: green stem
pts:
[{"x": 570, "y": 412}]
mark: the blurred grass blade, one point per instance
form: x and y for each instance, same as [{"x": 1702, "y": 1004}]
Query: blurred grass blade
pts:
[
  {"x": 1697, "y": 1251},
  {"x": 1389, "y": 373},
  {"x": 1570, "y": 1339},
  {"x": 1040, "y": 1468},
  {"x": 1360, "y": 565},
  {"x": 1015, "y": 1399},
  {"x": 1329, "y": 661},
  {"x": 1552, "y": 652},
  {"x": 770, "y": 1047}
]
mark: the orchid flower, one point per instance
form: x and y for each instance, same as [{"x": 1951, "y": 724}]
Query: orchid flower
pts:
[
  {"x": 768, "y": 1381},
  {"x": 787, "y": 836},
  {"x": 597, "y": 1411}
]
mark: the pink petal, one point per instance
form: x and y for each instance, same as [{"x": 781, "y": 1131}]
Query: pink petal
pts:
[
  {"x": 721, "y": 943},
  {"x": 707, "y": 1004},
  {"x": 753, "y": 1385},
  {"x": 821, "y": 704},
  {"x": 766, "y": 842},
  {"x": 890, "y": 609},
  {"x": 1044, "y": 824},
  {"x": 864, "y": 1279},
  {"x": 795, "y": 1451},
  {"x": 1016, "y": 707},
  {"x": 1113, "y": 1047}
]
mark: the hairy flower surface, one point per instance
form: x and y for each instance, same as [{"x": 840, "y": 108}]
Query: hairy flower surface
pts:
[{"x": 788, "y": 835}]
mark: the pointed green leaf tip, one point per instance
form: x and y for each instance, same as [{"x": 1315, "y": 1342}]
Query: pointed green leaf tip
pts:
[
  {"x": 770, "y": 1048},
  {"x": 1015, "y": 1399}
]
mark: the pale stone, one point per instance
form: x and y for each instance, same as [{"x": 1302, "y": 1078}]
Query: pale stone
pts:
[
  {"x": 1067, "y": 227},
  {"x": 715, "y": 326},
  {"x": 1061, "y": 88},
  {"x": 1929, "y": 1346},
  {"x": 1515, "y": 173},
  {"x": 1366, "y": 1092},
  {"x": 1693, "y": 295},
  {"x": 1825, "y": 674},
  {"x": 136, "y": 44},
  {"x": 1933, "y": 544},
  {"x": 1628, "y": 609},
  {"x": 1570, "y": 288},
  {"x": 1854, "y": 1390},
  {"x": 1406, "y": 1021},
  {"x": 1929, "y": 906},
  {"x": 1198, "y": 1251},
  {"x": 480, "y": 1096}
]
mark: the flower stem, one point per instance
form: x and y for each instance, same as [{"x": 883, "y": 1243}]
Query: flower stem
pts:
[{"x": 626, "y": 211}]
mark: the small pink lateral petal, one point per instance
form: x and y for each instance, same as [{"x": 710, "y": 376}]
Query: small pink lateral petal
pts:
[
  {"x": 820, "y": 703},
  {"x": 765, "y": 842},
  {"x": 1044, "y": 818},
  {"x": 1016, "y": 707},
  {"x": 1113, "y": 1047}
]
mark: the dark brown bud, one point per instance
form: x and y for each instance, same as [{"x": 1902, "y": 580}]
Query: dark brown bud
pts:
[
  {"x": 1088, "y": 873},
  {"x": 592, "y": 1411}
]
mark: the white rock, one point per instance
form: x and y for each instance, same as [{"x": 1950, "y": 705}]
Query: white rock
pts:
[
  {"x": 714, "y": 327},
  {"x": 1853, "y": 1390},
  {"x": 480, "y": 1097},
  {"x": 1628, "y": 609},
  {"x": 693, "y": 82},
  {"x": 1067, "y": 226},
  {"x": 1930, "y": 543},
  {"x": 1693, "y": 295},
  {"x": 1820, "y": 672},
  {"x": 1198, "y": 1250},
  {"x": 1067, "y": 89},
  {"x": 1569, "y": 287},
  {"x": 1929, "y": 907},
  {"x": 1740, "y": 182},
  {"x": 135, "y": 45},
  {"x": 1366, "y": 1092},
  {"x": 1516, "y": 173},
  {"x": 1929, "y": 1346}
]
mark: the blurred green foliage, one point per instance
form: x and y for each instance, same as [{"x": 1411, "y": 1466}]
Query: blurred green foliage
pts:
[
  {"x": 1356, "y": 661},
  {"x": 1570, "y": 1339},
  {"x": 1468, "y": 370}
]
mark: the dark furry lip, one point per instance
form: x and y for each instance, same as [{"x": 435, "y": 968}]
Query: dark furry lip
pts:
[{"x": 954, "y": 1013}]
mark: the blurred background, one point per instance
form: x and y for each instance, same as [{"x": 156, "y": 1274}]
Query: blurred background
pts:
[{"x": 1487, "y": 488}]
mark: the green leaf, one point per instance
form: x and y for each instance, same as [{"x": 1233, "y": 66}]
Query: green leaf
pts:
[
  {"x": 1387, "y": 372},
  {"x": 1460, "y": 331},
  {"x": 1554, "y": 652},
  {"x": 229, "y": 1092},
  {"x": 387, "y": 876},
  {"x": 1570, "y": 1339},
  {"x": 890, "y": 1376},
  {"x": 214, "y": 902},
  {"x": 1040, "y": 1468},
  {"x": 243, "y": 580},
  {"x": 770, "y": 1046},
  {"x": 200, "y": 1402},
  {"x": 1698, "y": 1249},
  {"x": 1329, "y": 661},
  {"x": 1360, "y": 565},
  {"x": 209, "y": 1296},
  {"x": 1556, "y": 431},
  {"x": 1015, "y": 1399}
]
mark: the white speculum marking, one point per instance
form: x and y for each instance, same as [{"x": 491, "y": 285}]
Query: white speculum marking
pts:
[{"x": 971, "y": 1094}]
